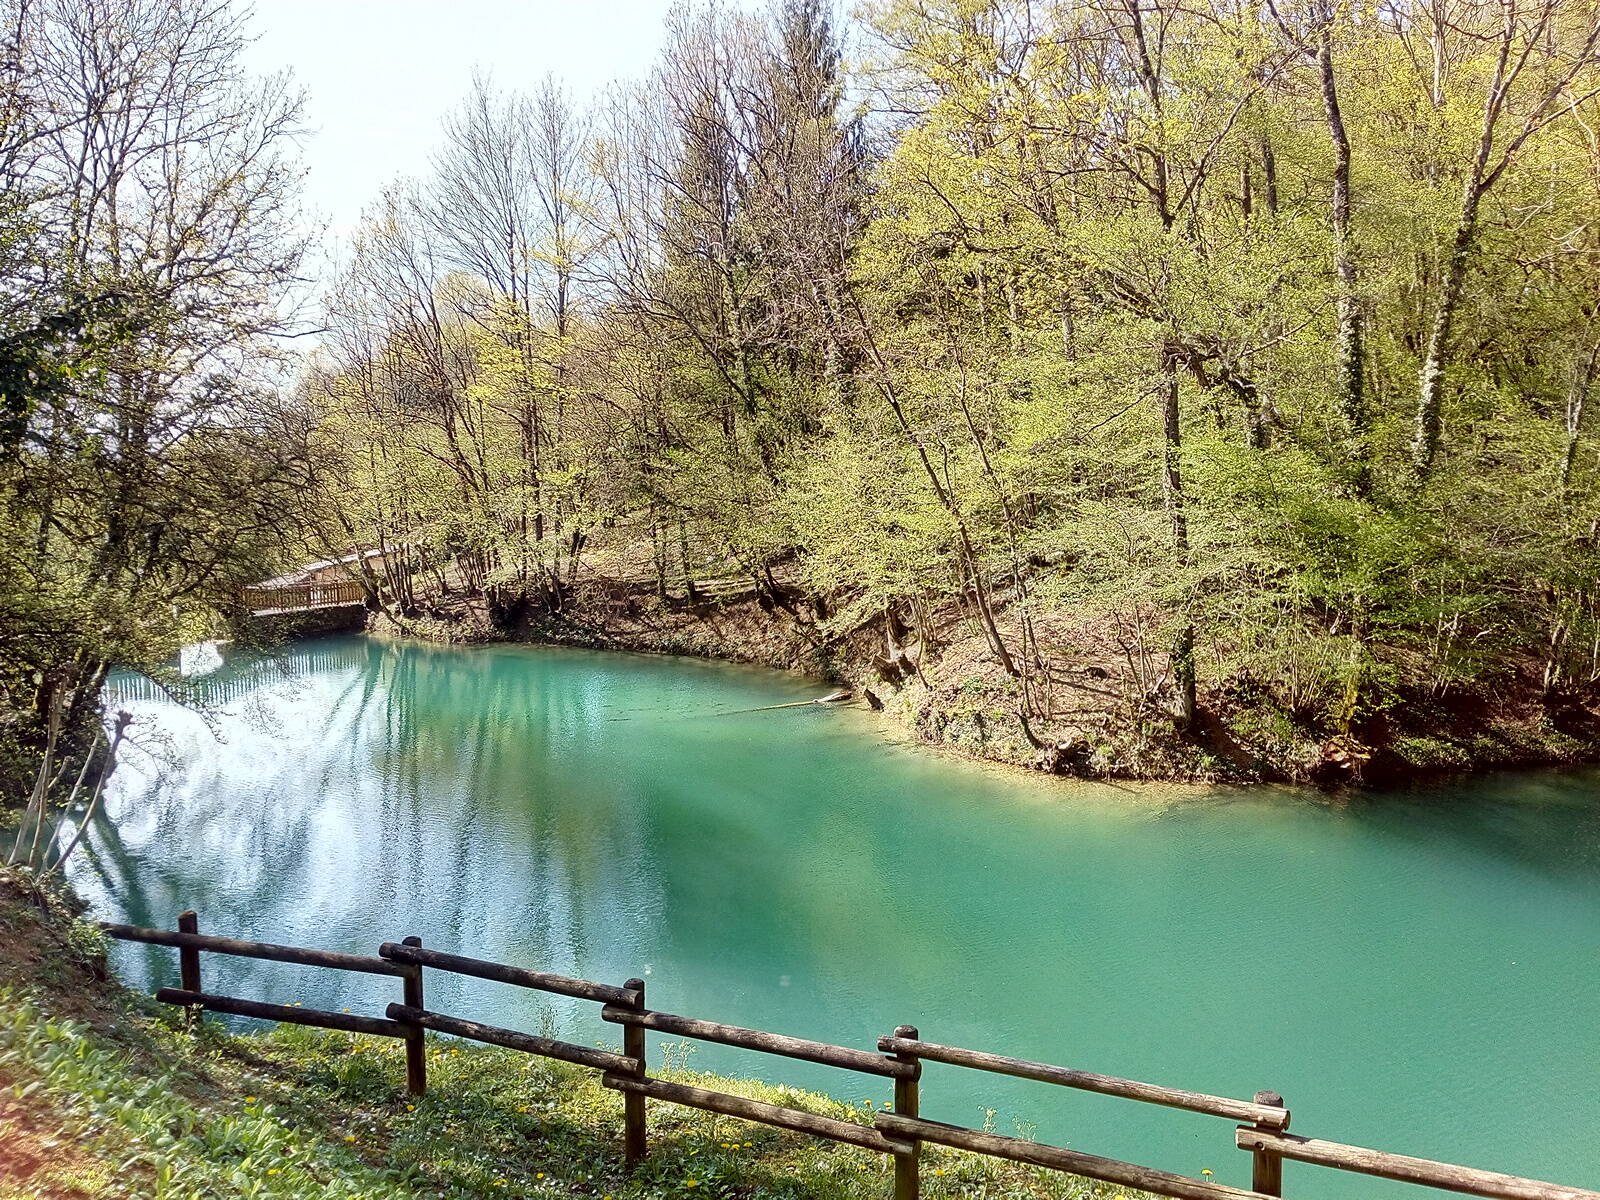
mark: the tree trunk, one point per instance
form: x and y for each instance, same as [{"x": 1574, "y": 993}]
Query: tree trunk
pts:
[
  {"x": 1183, "y": 673},
  {"x": 1172, "y": 448},
  {"x": 1430, "y": 390},
  {"x": 1349, "y": 365},
  {"x": 1430, "y": 394},
  {"x": 690, "y": 592},
  {"x": 1577, "y": 398}
]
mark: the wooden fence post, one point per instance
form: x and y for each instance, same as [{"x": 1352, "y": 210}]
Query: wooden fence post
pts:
[
  {"x": 416, "y": 1049},
  {"x": 189, "y": 960},
  {"x": 634, "y": 1146},
  {"x": 1266, "y": 1173},
  {"x": 907, "y": 1183}
]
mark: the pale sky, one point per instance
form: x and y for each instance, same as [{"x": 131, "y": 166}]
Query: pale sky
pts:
[{"x": 381, "y": 73}]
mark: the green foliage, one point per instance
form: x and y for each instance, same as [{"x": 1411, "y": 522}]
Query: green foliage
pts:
[
  {"x": 1208, "y": 342},
  {"x": 146, "y": 467}
]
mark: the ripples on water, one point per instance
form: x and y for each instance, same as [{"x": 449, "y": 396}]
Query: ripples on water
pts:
[{"x": 1417, "y": 971}]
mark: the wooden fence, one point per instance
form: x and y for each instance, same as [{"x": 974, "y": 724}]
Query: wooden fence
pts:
[
  {"x": 900, "y": 1132},
  {"x": 304, "y": 595}
]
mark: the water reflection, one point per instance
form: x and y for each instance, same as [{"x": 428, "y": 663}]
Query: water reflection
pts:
[{"x": 1391, "y": 964}]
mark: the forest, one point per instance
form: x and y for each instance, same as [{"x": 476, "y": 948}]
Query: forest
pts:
[{"x": 1120, "y": 386}]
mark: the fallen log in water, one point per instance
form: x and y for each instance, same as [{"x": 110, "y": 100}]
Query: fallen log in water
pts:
[{"x": 837, "y": 697}]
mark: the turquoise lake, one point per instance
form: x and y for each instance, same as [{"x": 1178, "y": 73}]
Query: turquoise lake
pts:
[{"x": 1417, "y": 971}]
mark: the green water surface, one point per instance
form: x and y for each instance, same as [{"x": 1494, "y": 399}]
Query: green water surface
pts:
[{"x": 1416, "y": 971}]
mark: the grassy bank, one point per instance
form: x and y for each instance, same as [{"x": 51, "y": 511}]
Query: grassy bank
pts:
[{"x": 103, "y": 1093}]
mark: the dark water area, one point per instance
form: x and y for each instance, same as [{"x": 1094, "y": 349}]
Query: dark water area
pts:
[{"x": 1417, "y": 971}]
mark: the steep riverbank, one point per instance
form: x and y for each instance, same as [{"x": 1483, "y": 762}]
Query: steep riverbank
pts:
[
  {"x": 1107, "y": 711},
  {"x": 105, "y": 1095}
]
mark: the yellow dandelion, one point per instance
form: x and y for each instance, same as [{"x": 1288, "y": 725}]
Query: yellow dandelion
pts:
[
  {"x": 349, "y": 1137},
  {"x": 938, "y": 1170},
  {"x": 272, "y": 1170},
  {"x": 249, "y": 1099},
  {"x": 540, "y": 1175},
  {"x": 411, "y": 1108},
  {"x": 691, "y": 1183}
]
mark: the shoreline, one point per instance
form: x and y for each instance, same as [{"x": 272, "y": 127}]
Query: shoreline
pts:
[{"x": 958, "y": 704}]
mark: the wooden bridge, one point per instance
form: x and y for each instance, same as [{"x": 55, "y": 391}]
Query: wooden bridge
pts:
[{"x": 303, "y": 597}]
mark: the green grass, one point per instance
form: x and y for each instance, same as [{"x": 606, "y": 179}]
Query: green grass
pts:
[
  {"x": 107, "y": 1095},
  {"x": 150, "y": 1109}
]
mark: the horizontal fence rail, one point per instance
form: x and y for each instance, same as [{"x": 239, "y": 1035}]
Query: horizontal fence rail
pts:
[
  {"x": 1446, "y": 1176},
  {"x": 233, "y": 946},
  {"x": 797, "y": 1119},
  {"x": 580, "y": 989},
  {"x": 1058, "y": 1158},
  {"x": 768, "y": 1043},
  {"x": 899, "y": 1133},
  {"x": 584, "y": 1056},
  {"x": 292, "y": 1014},
  {"x": 1107, "y": 1085}
]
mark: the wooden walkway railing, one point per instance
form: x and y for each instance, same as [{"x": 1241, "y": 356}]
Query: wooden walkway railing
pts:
[
  {"x": 899, "y": 1132},
  {"x": 303, "y": 595}
]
